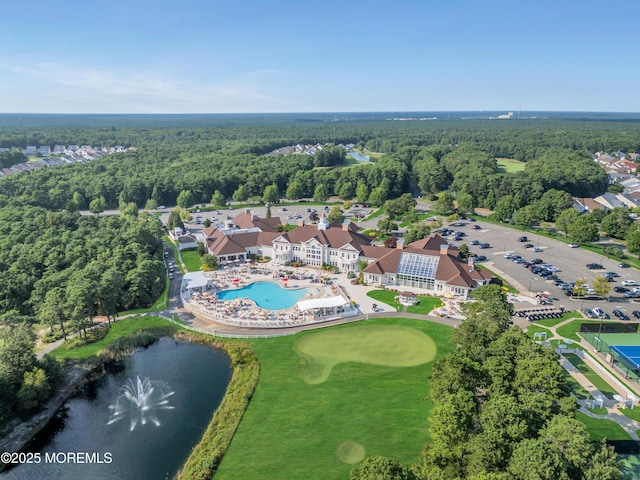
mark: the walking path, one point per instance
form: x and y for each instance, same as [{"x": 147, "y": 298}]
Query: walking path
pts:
[{"x": 613, "y": 412}]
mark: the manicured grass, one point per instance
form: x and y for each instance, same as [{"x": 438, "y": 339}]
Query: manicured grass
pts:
[
  {"x": 426, "y": 305},
  {"x": 421, "y": 217},
  {"x": 375, "y": 214},
  {"x": 191, "y": 259},
  {"x": 592, "y": 376},
  {"x": 509, "y": 165},
  {"x": 505, "y": 284},
  {"x": 577, "y": 389},
  {"x": 600, "y": 428},
  {"x": 598, "y": 410},
  {"x": 533, "y": 329},
  {"x": 118, "y": 329},
  {"x": 570, "y": 330},
  {"x": 550, "y": 322},
  {"x": 298, "y": 430},
  {"x": 385, "y": 296},
  {"x": 632, "y": 413}
]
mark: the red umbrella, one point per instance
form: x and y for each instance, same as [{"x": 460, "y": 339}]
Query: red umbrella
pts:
[{"x": 236, "y": 280}]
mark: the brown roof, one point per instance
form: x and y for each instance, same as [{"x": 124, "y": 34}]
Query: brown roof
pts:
[
  {"x": 221, "y": 244},
  {"x": 249, "y": 220},
  {"x": 588, "y": 203},
  {"x": 451, "y": 269},
  {"x": 333, "y": 236}
]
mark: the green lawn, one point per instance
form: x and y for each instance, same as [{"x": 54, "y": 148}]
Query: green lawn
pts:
[
  {"x": 375, "y": 214},
  {"x": 505, "y": 284},
  {"x": 421, "y": 217},
  {"x": 191, "y": 259},
  {"x": 426, "y": 305},
  {"x": 570, "y": 330},
  {"x": 550, "y": 322},
  {"x": 577, "y": 389},
  {"x": 632, "y": 413},
  {"x": 533, "y": 329},
  {"x": 599, "y": 428},
  {"x": 119, "y": 329},
  {"x": 508, "y": 165},
  {"x": 592, "y": 376},
  {"x": 368, "y": 405},
  {"x": 385, "y": 296}
]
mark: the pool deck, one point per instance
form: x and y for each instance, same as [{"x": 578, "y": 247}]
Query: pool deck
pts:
[{"x": 243, "y": 312}]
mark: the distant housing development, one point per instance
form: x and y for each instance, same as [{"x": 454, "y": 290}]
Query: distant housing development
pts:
[
  {"x": 60, "y": 155},
  {"x": 430, "y": 264}
]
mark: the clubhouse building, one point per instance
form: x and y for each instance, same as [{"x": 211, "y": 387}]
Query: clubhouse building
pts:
[{"x": 429, "y": 264}]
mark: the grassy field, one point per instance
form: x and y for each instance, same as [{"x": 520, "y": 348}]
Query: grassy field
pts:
[
  {"x": 592, "y": 376},
  {"x": 295, "y": 429},
  {"x": 508, "y": 165},
  {"x": 570, "y": 330},
  {"x": 119, "y": 329},
  {"x": 578, "y": 390},
  {"x": 533, "y": 329},
  {"x": 191, "y": 259},
  {"x": 426, "y": 305},
  {"x": 550, "y": 322},
  {"x": 374, "y": 214},
  {"x": 385, "y": 296},
  {"x": 599, "y": 428}
]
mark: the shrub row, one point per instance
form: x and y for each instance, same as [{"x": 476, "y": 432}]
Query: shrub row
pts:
[{"x": 207, "y": 455}]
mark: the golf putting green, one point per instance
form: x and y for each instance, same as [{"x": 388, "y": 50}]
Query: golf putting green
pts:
[
  {"x": 351, "y": 452},
  {"x": 384, "y": 345}
]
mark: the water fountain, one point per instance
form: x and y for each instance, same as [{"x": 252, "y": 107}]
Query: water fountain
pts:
[{"x": 140, "y": 401}]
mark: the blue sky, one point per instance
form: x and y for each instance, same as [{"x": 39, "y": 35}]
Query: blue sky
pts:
[{"x": 228, "y": 56}]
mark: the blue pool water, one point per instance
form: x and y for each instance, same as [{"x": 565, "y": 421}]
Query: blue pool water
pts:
[{"x": 267, "y": 295}]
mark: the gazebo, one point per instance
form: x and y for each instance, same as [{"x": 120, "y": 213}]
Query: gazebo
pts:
[{"x": 408, "y": 298}]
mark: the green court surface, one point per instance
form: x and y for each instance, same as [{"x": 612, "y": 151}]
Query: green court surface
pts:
[
  {"x": 374, "y": 400},
  {"x": 622, "y": 339}
]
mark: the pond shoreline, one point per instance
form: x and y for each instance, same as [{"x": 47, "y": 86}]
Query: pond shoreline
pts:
[{"x": 22, "y": 433}]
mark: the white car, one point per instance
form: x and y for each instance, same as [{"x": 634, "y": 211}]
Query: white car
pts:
[
  {"x": 573, "y": 245},
  {"x": 629, "y": 283}
]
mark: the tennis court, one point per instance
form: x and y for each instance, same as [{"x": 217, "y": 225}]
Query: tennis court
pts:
[{"x": 628, "y": 354}]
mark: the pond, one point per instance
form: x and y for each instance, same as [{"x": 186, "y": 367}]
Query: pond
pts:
[
  {"x": 359, "y": 157},
  {"x": 141, "y": 422}
]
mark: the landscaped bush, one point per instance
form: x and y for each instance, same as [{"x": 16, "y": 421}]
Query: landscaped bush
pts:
[
  {"x": 51, "y": 337},
  {"x": 206, "y": 456},
  {"x": 93, "y": 335}
]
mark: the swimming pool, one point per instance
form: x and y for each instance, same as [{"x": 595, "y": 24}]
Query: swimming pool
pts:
[{"x": 267, "y": 295}]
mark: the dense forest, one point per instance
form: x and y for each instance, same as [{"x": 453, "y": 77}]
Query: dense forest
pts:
[
  {"x": 502, "y": 410},
  {"x": 60, "y": 269}
]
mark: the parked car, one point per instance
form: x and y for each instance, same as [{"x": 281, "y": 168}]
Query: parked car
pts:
[
  {"x": 620, "y": 289},
  {"x": 522, "y": 239},
  {"x": 599, "y": 312},
  {"x": 611, "y": 274},
  {"x": 484, "y": 245},
  {"x": 594, "y": 266},
  {"x": 528, "y": 245},
  {"x": 573, "y": 245},
  {"x": 623, "y": 265},
  {"x": 537, "y": 249},
  {"x": 589, "y": 313},
  {"x": 636, "y": 313},
  {"x": 481, "y": 258},
  {"x": 632, "y": 294},
  {"x": 474, "y": 242},
  {"x": 476, "y": 227},
  {"x": 621, "y": 315},
  {"x": 629, "y": 283},
  {"x": 537, "y": 261}
]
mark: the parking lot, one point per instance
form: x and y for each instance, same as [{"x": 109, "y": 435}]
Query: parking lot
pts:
[{"x": 569, "y": 262}]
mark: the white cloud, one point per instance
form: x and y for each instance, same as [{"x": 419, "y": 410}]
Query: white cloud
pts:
[{"x": 85, "y": 88}]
